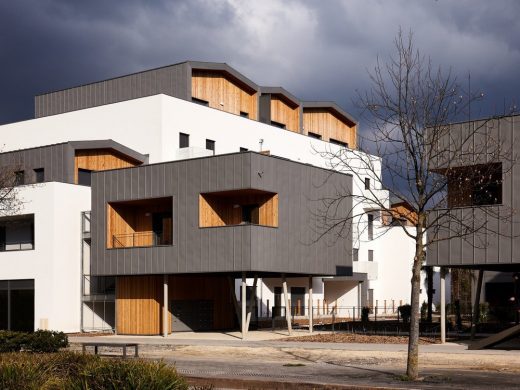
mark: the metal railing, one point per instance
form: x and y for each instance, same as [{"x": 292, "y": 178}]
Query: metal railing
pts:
[{"x": 140, "y": 239}]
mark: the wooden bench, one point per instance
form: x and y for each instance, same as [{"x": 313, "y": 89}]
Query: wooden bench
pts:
[{"x": 111, "y": 345}]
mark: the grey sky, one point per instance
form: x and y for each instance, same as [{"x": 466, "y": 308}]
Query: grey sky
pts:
[{"x": 318, "y": 50}]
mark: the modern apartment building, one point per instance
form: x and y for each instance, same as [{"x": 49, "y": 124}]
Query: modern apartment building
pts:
[
  {"x": 487, "y": 197},
  {"x": 150, "y": 197}
]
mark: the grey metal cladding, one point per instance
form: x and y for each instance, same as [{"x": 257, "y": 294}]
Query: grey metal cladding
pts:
[
  {"x": 57, "y": 161},
  {"x": 291, "y": 248},
  {"x": 496, "y": 251},
  {"x": 171, "y": 80}
]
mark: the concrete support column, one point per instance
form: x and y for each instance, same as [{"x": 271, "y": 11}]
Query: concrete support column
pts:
[
  {"x": 252, "y": 299},
  {"x": 311, "y": 314},
  {"x": 165, "y": 313},
  {"x": 443, "y": 305},
  {"x": 243, "y": 321},
  {"x": 287, "y": 307}
]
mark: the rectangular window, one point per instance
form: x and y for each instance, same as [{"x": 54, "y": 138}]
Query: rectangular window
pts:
[
  {"x": 244, "y": 149},
  {"x": 370, "y": 255},
  {"x": 184, "y": 140},
  {"x": 39, "y": 175},
  {"x": 84, "y": 177},
  {"x": 19, "y": 178},
  {"x": 210, "y": 145},
  {"x": 278, "y": 124},
  {"x": 340, "y": 143},
  {"x": 200, "y": 101},
  {"x": 244, "y": 114},
  {"x": 367, "y": 183},
  {"x": 370, "y": 226},
  {"x": 355, "y": 254},
  {"x": 314, "y": 135},
  {"x": 17, "y": 233}
]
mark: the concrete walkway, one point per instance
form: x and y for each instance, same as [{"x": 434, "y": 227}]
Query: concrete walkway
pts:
[{"x": 262, "y": 339}]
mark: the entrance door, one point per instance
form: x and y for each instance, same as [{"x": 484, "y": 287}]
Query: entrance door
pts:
[{"x": 298, "y": 301}]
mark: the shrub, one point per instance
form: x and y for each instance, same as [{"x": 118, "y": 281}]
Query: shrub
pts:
[
  {"x": 67, "y": 370},
  {"x": 405, "y": 311},
  {"x": 46, "y": 341},
  {"x": 39, "y": 341},
  {"x": 12, "y": 341}
]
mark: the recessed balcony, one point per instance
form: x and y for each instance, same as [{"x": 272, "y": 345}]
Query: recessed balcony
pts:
[
  {"x": 238, "y": 207},
  {"x": 140, "y": 223}
]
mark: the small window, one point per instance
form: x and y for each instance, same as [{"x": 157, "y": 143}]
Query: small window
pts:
[
  {"x": 84, "y": 177},
  {"x": 244, "y": 114},
  {"x": 355, "y": 254},
  {"x": 340, "y": 143},
  {"x": 370, "y": 255},
  {"x": 210, "y": 145},
  {"x": 200, "y": 101},
  {"x": 278, "y": 124},
  {"x": 370, "y": 226},
  {"x": 184, "y": 140},
  {"x": 314, "y": 135},
  {"x": 19, "y": 178},
  {"x": 243, "y": 150},
  {"x": 39, "y": 175},
  {"x": 367, "y": 183}
]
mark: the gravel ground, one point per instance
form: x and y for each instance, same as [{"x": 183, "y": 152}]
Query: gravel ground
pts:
[{"x": 359, "y": 338}]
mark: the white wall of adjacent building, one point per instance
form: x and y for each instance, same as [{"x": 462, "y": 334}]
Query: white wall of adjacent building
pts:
[{"x": 55, "y": 262}]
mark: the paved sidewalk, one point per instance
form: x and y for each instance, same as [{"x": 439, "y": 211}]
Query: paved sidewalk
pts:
[{"x": 262, "y": 339}]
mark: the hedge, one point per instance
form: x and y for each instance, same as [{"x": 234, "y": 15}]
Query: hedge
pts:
[{"x": 39, "y": 341}]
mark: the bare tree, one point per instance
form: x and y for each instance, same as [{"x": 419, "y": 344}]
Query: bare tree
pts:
[
  {"x": 417, "y": 116},
  {"x": 10, "y": 178}
]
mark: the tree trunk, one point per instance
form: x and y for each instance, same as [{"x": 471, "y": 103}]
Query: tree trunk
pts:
[{"x": 412, "y": 367}]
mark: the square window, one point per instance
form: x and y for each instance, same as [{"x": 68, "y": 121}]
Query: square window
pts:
[
  {"x": 244, "y": 114},
  {"x": 84, "y": 177},
  {"x": 39, "y": 175},
  {"x": 244, "y": 149},
  {"x": 19, "y": 178},
  {"x": 367, "y": 183},
  {"x": 184, "y": 140},
  {"x": 210, "y": 145}
]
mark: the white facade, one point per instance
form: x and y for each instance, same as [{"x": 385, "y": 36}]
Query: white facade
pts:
[
  {"x": 151, "y": 125},
  {"x": 55, "y": 262}
]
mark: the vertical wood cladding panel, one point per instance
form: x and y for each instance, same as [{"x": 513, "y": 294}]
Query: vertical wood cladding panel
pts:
[
  {"x": 171, "y": 80},
  {"x": 329, "y": 126},
  {"x": 223, "y": 93},
  {"x": 138, "y": 305},
  {"x": 282, "y": 112},
  {"x": 100, "y": 160}
]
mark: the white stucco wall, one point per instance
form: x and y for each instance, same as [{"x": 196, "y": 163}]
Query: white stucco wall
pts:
[{"x": 54, "y": 264}]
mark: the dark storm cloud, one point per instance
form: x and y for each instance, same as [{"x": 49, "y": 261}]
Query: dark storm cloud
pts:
[{"x": 315, "y": 49}]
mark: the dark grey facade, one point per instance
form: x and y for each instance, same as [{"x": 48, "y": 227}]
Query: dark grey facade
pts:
[
  {"x": 173, "y": 80},
  {"x": 290, "y": 248},
  {"x": 57, "y": 161},
  {"x": 487, "y": 249}
]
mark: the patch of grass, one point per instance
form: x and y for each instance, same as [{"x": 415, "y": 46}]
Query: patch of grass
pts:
[
  {"x": 294, "y": 365},
  {"x": 67, "y": 370}
]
